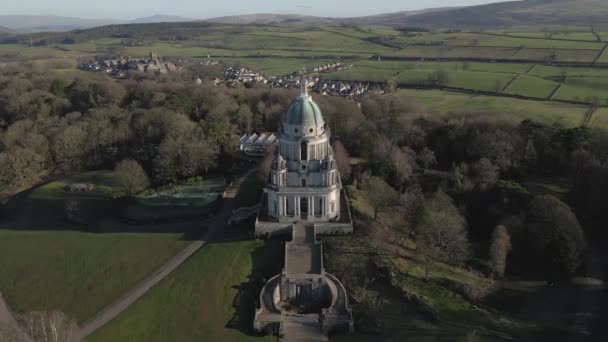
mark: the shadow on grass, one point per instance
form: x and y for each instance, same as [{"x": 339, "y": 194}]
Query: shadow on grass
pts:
[
  {"x": 95, "y": 214},
  {"x": 266, "y": 262}
]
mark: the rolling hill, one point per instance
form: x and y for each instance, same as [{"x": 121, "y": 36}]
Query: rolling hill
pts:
[
  {"x": 32, "y": 23},
  {"x": 514, "y": 13},
  {"x": 267, "y": 18},
  {"x": 6, "y": 30},
  {"x": 495, "y": 15}
]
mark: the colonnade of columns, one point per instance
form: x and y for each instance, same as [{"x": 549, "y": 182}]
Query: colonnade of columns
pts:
[{"x": 313, "y": 201}]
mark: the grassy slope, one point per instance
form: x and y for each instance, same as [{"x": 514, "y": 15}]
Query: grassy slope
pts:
[
  {"x": 75, "y": 272},
  {"x": 194, "y": 303},
  {"x": 497, "y": 108}
]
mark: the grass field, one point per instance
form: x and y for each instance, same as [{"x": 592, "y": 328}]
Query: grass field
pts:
[
  {"x": 585, "y": 89},
  {"x": 531, "y": 86},
  {"x": 600, "y": 118},
  {"x": 209, "y": 298},
  {"x": 76, "y": 272},
  {"x": 449, "y": 104}
]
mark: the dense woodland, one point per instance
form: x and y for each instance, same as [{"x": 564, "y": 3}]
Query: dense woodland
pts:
[{"x": 465, "y": 175}]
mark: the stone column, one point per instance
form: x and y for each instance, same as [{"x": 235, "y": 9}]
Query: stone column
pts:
[
  {"x": 311, "y": 206},
  {"x": 284, "y": 205},
  {"x": 338, "y": 199},
  {"x": 323, "y": 205},
  {"x": 296, "y": 209}
]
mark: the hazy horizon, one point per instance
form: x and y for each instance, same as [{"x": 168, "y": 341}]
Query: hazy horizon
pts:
[{"x": 197, "y": 9}]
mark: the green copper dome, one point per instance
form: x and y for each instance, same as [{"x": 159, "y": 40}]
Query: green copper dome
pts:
[{"x": 303, "y": 111}]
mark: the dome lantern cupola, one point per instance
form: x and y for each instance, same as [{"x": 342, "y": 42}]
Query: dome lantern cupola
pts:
[{"x": 303, "y": 117}]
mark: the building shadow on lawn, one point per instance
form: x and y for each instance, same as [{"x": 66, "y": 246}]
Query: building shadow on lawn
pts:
[{"x": 266, "y": 262}]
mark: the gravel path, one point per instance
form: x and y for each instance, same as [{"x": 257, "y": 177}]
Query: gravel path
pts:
[
  {"x": 7, "y": 320},
  {"x": 121, "y": 304}
]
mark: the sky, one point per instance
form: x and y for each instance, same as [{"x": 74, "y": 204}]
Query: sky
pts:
[{"x": 202, "y": 9}]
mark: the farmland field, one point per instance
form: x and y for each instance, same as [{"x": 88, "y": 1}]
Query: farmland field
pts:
[
  {"x": 531, "y": 86},
  {"x": 448, "y": 104},
  {"x": 600, "y": 118},
  {"x": 586, "y": 89}
]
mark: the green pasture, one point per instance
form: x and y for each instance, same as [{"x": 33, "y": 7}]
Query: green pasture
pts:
[
  {"x": 446, "y": 104},
  {"x": 78, "y": 273},
  {"x": 531, "y": 86},
  {"x": 555, "y": 71},
  {"x": 513, "y": 68},
  {"x": 588, "y": 89},
  {"x": 482, "y": 81},
  {"x": 209, "y": 298},
  {"x": 604, "y": 57},
  {"x": 600, "y": 118}
]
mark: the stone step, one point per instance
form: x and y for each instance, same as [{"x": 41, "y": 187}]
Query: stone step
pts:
[{"x": 302, "y": 328}]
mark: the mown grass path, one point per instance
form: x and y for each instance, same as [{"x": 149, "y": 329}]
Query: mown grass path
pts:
[{"x": 120, "y": 305}]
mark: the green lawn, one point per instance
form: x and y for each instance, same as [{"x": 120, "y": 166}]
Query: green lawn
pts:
[
  {"x": 450, "y": 104},
  {"x": 199, "y": 301},
  {"x": 531, "y": 86},
  {"x": 76, "y": 272}
]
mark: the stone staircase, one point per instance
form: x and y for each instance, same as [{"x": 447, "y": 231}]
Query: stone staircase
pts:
[{"x": 302, "y": 328}]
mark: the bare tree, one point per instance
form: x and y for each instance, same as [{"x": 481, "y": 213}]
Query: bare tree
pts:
[
  {"x": 485, "y": 174},
  {"x": 442, "y": 236},
  {"x": 404, "y": 161},
  {"x": 380, "y": 194},
  {"x": 132, "y": 177},
  {"x": 500, "y": 248},
  {"x": 427, "y": 158},
  {"x": 342, "y": 159},
  {"x": 49, "y": 326}
]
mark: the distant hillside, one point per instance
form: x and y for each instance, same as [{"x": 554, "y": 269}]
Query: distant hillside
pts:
[
  {"x": 393, "y": 19},
  {"x": 31, "y": 23},
  {"x": 6, "y": 30},
  {"x": 263, "y": 18},
  {"x": 527, "y": 12},
  {"x": 158, "y": 18}
]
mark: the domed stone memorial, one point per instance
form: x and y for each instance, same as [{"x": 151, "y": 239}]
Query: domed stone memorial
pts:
[{"x": 303, "y": 198}]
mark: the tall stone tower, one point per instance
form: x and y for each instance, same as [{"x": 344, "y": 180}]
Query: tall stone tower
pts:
[
  {"x": 303, "y": 199},
  {"x": 304, "y": 182}
]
